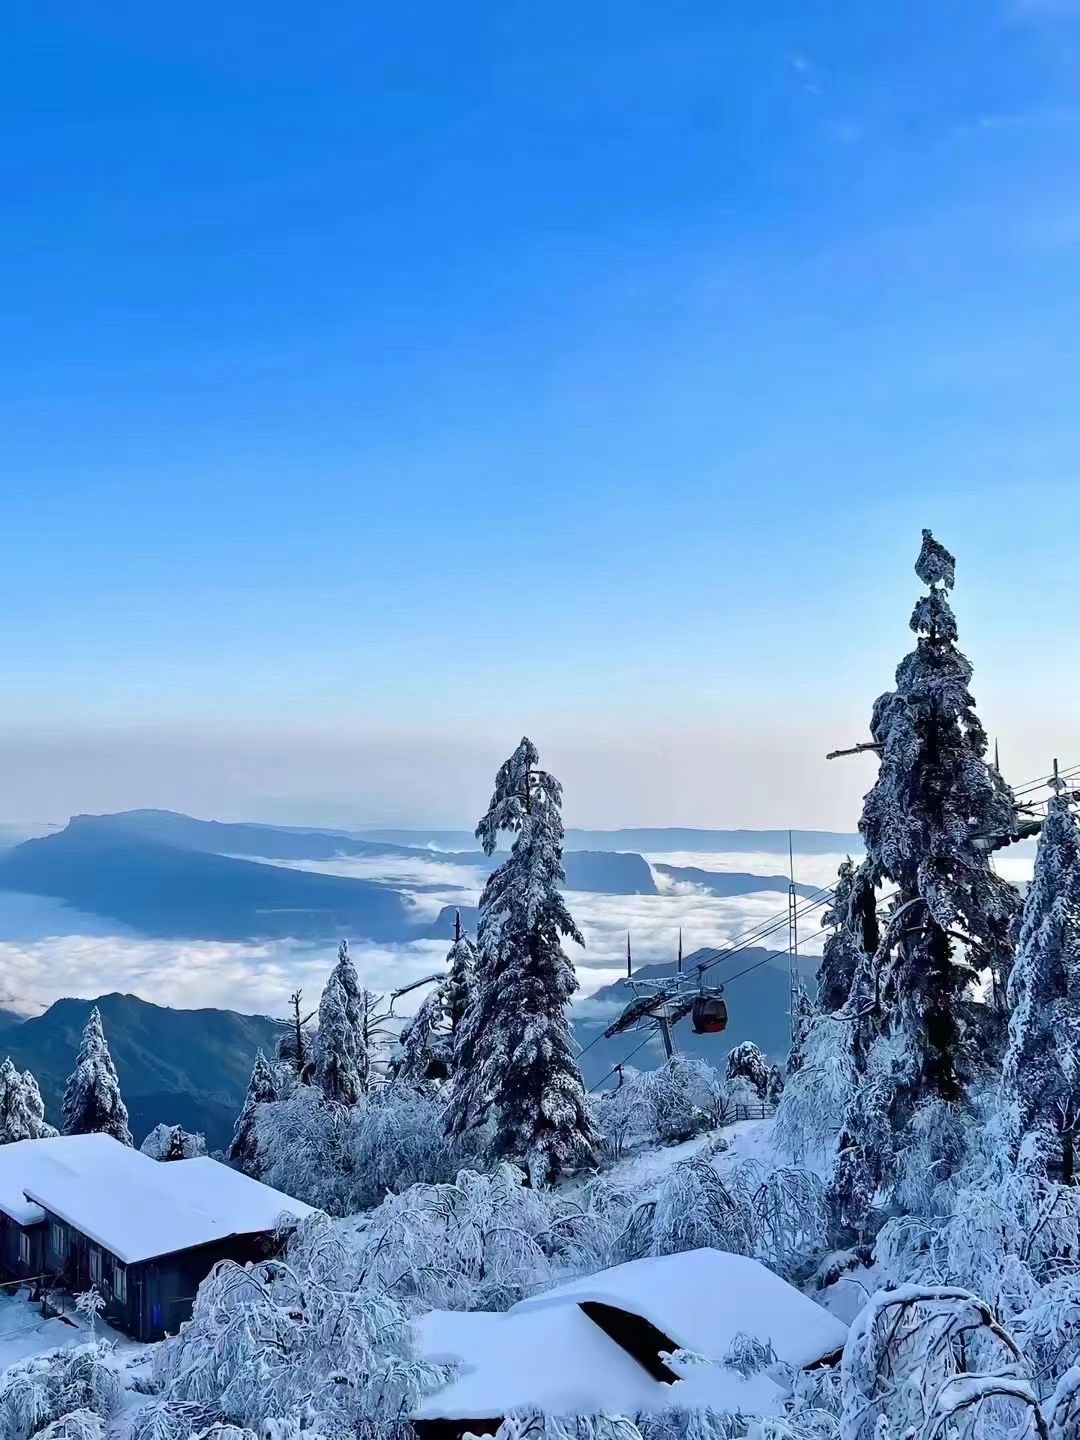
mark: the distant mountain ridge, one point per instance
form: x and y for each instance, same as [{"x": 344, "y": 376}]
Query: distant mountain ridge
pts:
[
  {"x": 165, "y": 891},
  {"x": 181, "y": 1067},
  {"x": 732, "y": 882},
  {"x": 127, "y": 868}
]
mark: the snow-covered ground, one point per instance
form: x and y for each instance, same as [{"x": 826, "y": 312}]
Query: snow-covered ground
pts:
[
  {"x": 25, "y": 1332},
  {"x": 747, "y": 1140}
]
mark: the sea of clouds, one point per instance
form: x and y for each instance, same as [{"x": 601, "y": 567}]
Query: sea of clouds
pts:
[{"x": 48, "y": 950}]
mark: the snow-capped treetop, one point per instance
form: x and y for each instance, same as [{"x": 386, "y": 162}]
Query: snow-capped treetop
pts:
[
  {"x": 935, "y": 565},
  {"x": 1041, "y": 1071},
  {"x": 344, "y": 972},
  {"x": 92, "y": 1101},
  {"x": 518, "y": 785}
]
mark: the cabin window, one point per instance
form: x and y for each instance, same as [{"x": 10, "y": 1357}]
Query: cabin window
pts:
[
  {"x": 120, "y": 1282},
  {"x": 58, "y": 1241},
  {"x": 24, "y": 1249},
  {"x": 95, "y": 1265}
]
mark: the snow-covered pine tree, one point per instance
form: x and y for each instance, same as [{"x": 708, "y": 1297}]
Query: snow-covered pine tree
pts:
[
  {"x": 1040, "y": 1083},
  {"x": 928, "y": 823},
  {"x": 514, "y": 1058},
  {"x": 92, "y": 1102},
  {"x": 344, "y": 972},
  {"x": 341, "y": 1061},
  {"x": 461, "y": 962},
  {"x": 22, "y": 1110},
  {"x": 262, "y": 1088},
  {"x": 426, "y": 1043}
]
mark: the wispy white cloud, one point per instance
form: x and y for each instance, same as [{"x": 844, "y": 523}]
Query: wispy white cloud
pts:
[{"x": 806, "y": 73}]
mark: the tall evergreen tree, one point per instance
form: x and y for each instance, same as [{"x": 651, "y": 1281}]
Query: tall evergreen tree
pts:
[
  {"x": 262, "y": 1088},
  {"x": 929, "y": 823},
  {"x": 341, "y": 1060},
  {"x": 1041, "y": 1074},
  {"x": 92, "y": 1102},
  {"x": 514, "y": 1059},
  {"x": 22, "y": 1110}
]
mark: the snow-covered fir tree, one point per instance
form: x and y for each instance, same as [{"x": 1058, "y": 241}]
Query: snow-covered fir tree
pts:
[
  {"x": 1040, "y": 1085},
  {"x": 92, "y": 1102},
  {"x": 746, "y": 1062},
  {"x": 460, "y": 963},
  {"x": 426, "y": 1042},
  {"x": 262, "y": 1088},
  {"x": 341, "y": 1059},
  {"x": 928, "y": 823},
  {"x": 514, "y": 1059},
  {"x": 22, "y": 1110}
]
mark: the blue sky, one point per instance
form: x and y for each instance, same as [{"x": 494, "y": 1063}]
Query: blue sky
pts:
[{"x": 379, "y": 382}]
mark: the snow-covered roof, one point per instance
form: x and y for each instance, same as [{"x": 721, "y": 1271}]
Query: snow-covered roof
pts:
[
  {"x": 135, "y": 1207},
  {"x": 702, "y": 1299},
  {"x": 558, "y": 1362},
  {"x": 547, "y": 1355}
]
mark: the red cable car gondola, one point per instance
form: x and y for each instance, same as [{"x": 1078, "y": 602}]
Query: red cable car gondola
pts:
[{"x": 709, "y": 1014}]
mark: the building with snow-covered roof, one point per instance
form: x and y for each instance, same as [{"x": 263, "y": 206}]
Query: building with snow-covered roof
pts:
[
  {"x": 82, "y": 1210},
  {"x": 597, "y": 1345}
]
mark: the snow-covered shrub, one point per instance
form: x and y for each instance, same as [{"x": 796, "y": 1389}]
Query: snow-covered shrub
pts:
[
  {"x": 746, "y": 1062},
  {"x": 693, "y": 1208},
  {"x": 665, "y": 1106},
  {"x": 76, "y": 1425},
  {"x": 671, "y": 1424},
  {"x": 777, "y": 1216},
  {"x": 168, "y": 1420},
  {"x": 298, "y": 1341},
  {"x": 353, "y": 1155},
  {"x": 396, "y": 1140},
  {"x": 811, "y": 1111},
  {"x": 926, "y": 1360},
  {"x": 1008, "y": 1235},
  {"x": 485, "y": 1241},
  {"x": 60, "y": 1387},
  {"x": 172, "y": 1142},
  {"x": 938, "y": 1146}
]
